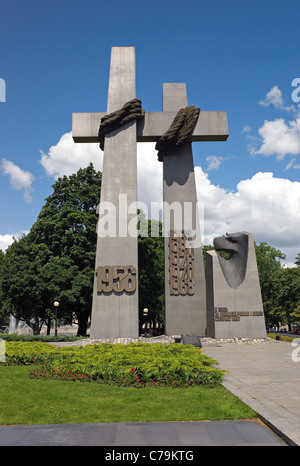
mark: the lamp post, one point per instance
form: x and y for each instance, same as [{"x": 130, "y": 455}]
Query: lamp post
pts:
[
  {"x": 55, "y": 304},
  {"x": 145, "y": 314}
]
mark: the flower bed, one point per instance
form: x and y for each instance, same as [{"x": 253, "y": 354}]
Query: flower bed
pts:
[{"x": 136, "y": 364}]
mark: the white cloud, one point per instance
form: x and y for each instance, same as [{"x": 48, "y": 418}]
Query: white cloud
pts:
[
  {"x": 292, "y": 164},
  {"x": 214, "y": 162},
  {"x": 66, "y": 157},
  {"x": 19, "y": 179},
  {"x": 263, "y": 205},
  {"x": 246, "y": 129},
  {"x": 5, "y": 241},
  {"x": 150, "y": 174},
  {"x": 274, "y": 97},
  {"x": 266, "y": 206},
  {"x": 280, "y": 138}
]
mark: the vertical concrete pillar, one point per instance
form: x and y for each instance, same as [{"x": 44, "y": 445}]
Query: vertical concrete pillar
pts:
[
  {"x": 185, "y": 295},
  {"x": 115, "y": 296}
]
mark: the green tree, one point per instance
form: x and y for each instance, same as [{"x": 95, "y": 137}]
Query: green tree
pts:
[
  {"x": 269, "y": 267},
  {"x": 287, "y": 296},
  {"x": 27, "y": 289},
  {"x": 151, "y": 271},
  {"x": 67, "y": 226},
  {"x": 55, "y": 261},
  {"x": 4, "y": 317}
]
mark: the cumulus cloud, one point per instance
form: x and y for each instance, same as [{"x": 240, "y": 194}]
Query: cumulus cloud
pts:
[
  {"x": 66, "y": 157},
  {"x": 274, "y": 97},
  {"x": 276, "y": 137},
  {"x": 5, "y": 241},
  {"x": 280, "y": 137},
  {"x": 19, "y": 179},
  {"x": 266, "y": 206},
  {"x": 150, "y": 174}
]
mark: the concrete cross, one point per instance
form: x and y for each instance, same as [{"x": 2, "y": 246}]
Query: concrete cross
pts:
[
  {"x": 211, "y": 126},
  {"x": 115, "y": 297}
]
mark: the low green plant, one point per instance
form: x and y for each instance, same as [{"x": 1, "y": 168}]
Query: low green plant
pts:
[
  {"x": 281, "y": 337},
  {"x": 136, "y": 365},
  {"x": 40, "y": 338}
]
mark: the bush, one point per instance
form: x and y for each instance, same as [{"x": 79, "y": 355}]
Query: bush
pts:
[
  {"x": 136, "y": 364},
  {"x": 41, "y": 338}
]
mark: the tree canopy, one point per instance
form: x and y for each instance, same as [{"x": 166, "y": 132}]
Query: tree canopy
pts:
[{"x": 55, "y": 262}]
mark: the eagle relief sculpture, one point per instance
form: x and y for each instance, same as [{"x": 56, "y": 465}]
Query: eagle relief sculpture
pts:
[{"x": 234, "y": 303}]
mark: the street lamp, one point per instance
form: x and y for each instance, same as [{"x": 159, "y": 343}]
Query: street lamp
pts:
[
  {"x": 145, "y": 314},
  {"x": 55, "y": 304}
]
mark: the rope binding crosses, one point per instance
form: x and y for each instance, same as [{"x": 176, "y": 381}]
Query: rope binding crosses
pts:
[
  {"x": 130, "y": 111},
  {"x": 179, "y": 131}
]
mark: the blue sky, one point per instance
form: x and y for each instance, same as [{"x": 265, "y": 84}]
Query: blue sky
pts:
[{"x": 238, "y": 56}]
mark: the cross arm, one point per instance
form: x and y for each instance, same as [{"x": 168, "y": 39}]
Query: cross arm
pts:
[{"x": 211, "y": 126}]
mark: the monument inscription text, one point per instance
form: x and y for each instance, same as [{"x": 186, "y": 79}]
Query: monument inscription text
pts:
[
  {"x": 223, "y": 315},
  {"x": 181, "y": 266},
  {"x": 116, "y": 278}
]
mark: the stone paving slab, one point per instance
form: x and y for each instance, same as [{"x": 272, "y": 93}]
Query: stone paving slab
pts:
[
  {"x": 155, "y": 434},
  {"x": 265, "y": 378}
]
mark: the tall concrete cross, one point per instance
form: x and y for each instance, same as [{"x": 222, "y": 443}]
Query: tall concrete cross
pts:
[{"x": 115, "y": 296}]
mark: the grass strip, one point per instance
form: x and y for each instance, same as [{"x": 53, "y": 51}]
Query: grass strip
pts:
[{"x": 37, "y": 401}]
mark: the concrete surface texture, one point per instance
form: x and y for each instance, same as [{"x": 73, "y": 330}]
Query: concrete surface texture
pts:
[
  {"x": 234, "y": 303},
  {"x": 185, "y": 312},
  {"x": 155, "y": 434},
  {"x": 267, "y": 378},
  {"x": 115, "y": 314}
]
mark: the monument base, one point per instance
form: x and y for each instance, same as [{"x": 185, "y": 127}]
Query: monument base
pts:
[{"x": 234, "y": 305}]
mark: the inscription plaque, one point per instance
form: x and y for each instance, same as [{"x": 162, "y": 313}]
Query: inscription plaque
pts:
[
  {"x": 223, "y": 315},
  {"x": 181, "y": 266},
  {"x": 116, "y": 278}
]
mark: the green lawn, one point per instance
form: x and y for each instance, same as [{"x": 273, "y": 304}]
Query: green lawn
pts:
[{"x": 42, "y": 401}]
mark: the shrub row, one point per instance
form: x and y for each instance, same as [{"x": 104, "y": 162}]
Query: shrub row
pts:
[
  {"x": 136, "y": 364},
  {"x": 41, "y": 338}
]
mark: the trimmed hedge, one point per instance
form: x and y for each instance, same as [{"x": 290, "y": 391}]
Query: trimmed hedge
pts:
[
  {"x": 136, "y": 364},
  {"x": 41, "y": 338}
]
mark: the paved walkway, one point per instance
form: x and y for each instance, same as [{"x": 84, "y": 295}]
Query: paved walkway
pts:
[
  {"x": 265, "y": 377},
  {"x": 173, "y": 436}
]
